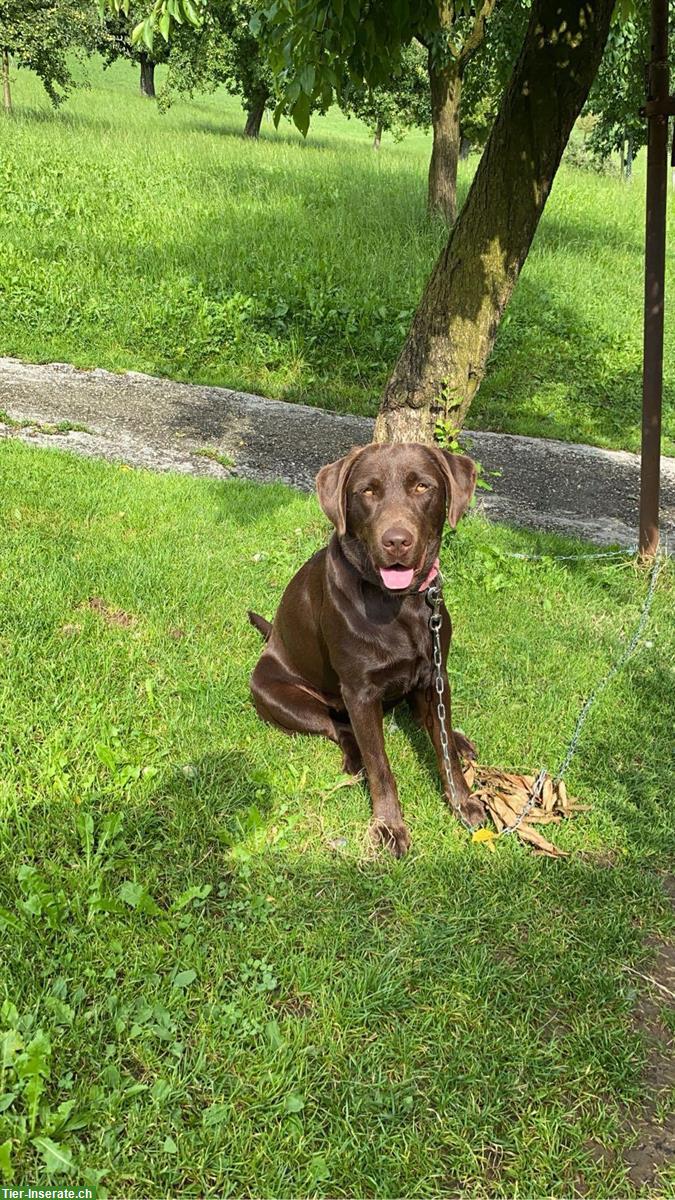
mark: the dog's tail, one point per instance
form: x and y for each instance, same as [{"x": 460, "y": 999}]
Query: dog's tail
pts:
[{"x": 259, "y": 623}]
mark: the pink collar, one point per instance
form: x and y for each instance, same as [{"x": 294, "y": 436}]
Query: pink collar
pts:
[{"x": 433, "y": 572}]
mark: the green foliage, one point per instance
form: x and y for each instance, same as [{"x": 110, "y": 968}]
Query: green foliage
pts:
[
  {"x": 116, "y": 39},
  {"x": 158, "y": 17},
  {"x": 404, "y": 101},
  {"x": 488, "y": 70},
  {"x": 321, "y": 51},
  {"x": 402, "y": 104},
  {"x": 619, "y": 90},
  {"x": 43, "y": 35},
  {"x": 223, "y": 50},
  {"x": 448, "y": 437}
]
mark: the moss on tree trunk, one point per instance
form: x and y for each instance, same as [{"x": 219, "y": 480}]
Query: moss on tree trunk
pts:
[
  {"x": 443, "y": 360},
  {"x": 445, "y": 85}
]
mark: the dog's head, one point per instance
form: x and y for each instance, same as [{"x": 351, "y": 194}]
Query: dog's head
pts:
[{"x": 388, "y": 505}]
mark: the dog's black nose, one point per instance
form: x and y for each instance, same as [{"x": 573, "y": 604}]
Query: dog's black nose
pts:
[{"x": 396, "y": 540}]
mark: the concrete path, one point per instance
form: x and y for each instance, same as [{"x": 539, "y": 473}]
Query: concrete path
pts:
[{"x": 163, "y": 425}]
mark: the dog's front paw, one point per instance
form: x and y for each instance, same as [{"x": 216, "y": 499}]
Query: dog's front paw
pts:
[
  {"x": 473, "y": 811},
  {"x": 464, "y": 747},
  {"x": 394, "y": 836}
]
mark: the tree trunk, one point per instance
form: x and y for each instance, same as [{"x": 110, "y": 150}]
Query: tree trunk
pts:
[
  {"x": 629, "y": 158},
  {"x": 443, "y": 360},
  {"x": 6, "y": 92},
  {"x": 445, "y": 85},
  {"x": 255, "y": 115},
  {"x": 147, "y": 77},
  {"x": 377, "y": 140},
  {"x": 464, "y": 148}
]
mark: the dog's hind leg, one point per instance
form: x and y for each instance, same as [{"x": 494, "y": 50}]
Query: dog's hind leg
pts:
[{"x": 284, "y": 699}]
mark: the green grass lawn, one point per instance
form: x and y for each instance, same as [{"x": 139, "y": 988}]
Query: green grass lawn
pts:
[
  {"x": 218, "y": 992},
  {"x": 166, "y": 244}
]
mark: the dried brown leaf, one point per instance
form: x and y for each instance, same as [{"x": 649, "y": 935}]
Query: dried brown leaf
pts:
[
  {"x": 497, "y": 804},
  {"x": 547, "y": 797},
  {"x": 527, "y": 834}
]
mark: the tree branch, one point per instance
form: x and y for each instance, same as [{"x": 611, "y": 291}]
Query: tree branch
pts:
[{"x": 477, "y": 33}]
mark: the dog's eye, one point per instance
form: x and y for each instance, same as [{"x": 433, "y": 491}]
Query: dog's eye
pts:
[{"x": 421, "y": 487}]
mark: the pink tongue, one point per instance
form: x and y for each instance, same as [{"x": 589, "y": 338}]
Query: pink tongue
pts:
[{"x": 397, "y": 577}]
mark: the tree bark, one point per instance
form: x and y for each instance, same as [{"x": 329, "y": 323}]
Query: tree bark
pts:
[
  {"x": 255, "y": 115},
  {"x": 464, "y": 148},
  {"x": 443, "y": 360},
  {"x": 629, "y": 158},
  {"x": 445, "y": 85},
  {"x": 377, "y": 140},
  {"x": 6, "y": 91},
  {"x": 147, "y": 77}
]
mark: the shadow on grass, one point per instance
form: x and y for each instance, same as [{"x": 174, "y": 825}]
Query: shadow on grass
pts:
[
  {"x": 553, "y": 372},
  {"x": 268, "y": 135},
  {"x": 456, "y": 1023},
  {"x": 199, "y": 811},
  {"x": 247, "y": 503},
  {"x": 546, "y": 347},
  {"x": 640, "y": 803},
  {"x": 452, "y": 1004},
  {"x": 63, "y": 118},
  {"x": 590, "y": 231}
]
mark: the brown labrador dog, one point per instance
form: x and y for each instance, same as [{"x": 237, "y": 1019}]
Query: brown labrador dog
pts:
[{"x": 351, "y": 636}]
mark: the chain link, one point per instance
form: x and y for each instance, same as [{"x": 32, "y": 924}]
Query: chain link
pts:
[{"x": 434, "y": 598}]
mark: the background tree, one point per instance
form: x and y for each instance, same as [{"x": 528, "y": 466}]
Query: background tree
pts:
[
  {"x": 445, "y": 354},
  {"x": 401, "y": 105},
  {"x": 488, "y": 71},
  {"x": 44, "y": 36},
  {"x": 222, "y": 52},
  {"x": 322, "y": 52},
  {"x": 319, "y": 51},
  {"x": 453, "y": 330},
  {"x": 450, "y": 49},
  {"x": 619, "y": 89},
  {"x": 116, "y": 41}
]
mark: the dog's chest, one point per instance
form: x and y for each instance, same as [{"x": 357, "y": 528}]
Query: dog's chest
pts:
[{"x": 399, "y": 657}]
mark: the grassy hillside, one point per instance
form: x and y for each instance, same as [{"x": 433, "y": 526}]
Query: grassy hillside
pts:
[
  {"x": 167, "y": 244},
  {"x": 219, "y": 993}
]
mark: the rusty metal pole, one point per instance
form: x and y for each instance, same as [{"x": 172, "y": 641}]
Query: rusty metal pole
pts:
[{"x": 656, "y": 110}]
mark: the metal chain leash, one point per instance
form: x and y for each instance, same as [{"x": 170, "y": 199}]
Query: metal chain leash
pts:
[
  {"x": 614, "y": 670},
  {"x": 434, "y": 596},
  {"x": 630, "y": 553}
]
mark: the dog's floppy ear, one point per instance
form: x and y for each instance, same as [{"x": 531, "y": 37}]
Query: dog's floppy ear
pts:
[
  {"x": 459, "y": 473},
  {"x": 331, "y": 488}
]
